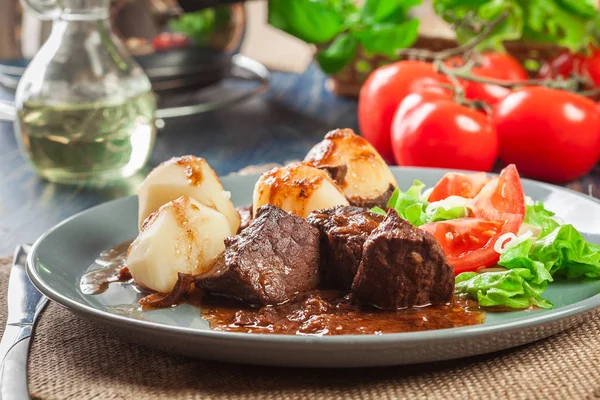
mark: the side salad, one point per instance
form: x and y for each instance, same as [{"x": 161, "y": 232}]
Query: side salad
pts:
[{"x": 504, "y": 247}]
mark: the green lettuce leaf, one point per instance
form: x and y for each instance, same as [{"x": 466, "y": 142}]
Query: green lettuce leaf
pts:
[
  {"x": 378, "y": 210},
  {"x": 514, "y": 288},
  {"x": 536, "y": 214},
  {"x": 445, "y": 214},
  {"x": 411, "y": 206},
  {"x": 565, "y": 252},
  {"x": 517, "y": 257},
  {"x": 559, "y": 251},
  {"x": 520, "y": 286}
]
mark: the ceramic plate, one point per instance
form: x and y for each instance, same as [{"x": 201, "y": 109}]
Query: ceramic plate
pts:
[{"x": 62, "y": 255}]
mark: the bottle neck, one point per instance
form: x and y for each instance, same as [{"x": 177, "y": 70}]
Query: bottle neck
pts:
[
  {"x": 84, "y": 10},
  {"x": 80, "y": 30}
]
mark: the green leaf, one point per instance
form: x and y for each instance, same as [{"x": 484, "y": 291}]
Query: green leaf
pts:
[
  {"x": 378, "y": 10},
  {"x": 518, "y": 257},
  {"x": 445, "y": 6},
  {"x": 492, "y": 9},
  {"x": 513, "y": 288},
  {"x": 411, "y": 206},
  {"x": 532, "y": 65},
  {"x": 197, "y": 25},
  {"x": 388, "y": 38},
  {"x": 510, "y": 29},
  {"x": 518, "y": 287},
  {"x": 548, "y": 226},
  {"x": 568, "y": 23},
  {"x": 549, "y": 22},
  {"x": 536, "y": 214},
  {"x": 338, "y": 54},
  {"x": 416, "y": 189},
  {"x": 486, "y": 10},
  {"x": 314, "y": 21},
  {"x": 584, "y": 8},
  {"x": 414, "y": 214},
  {"x": 378, "y": 210},
  {"x": 402, "y": 13},
  {"x": 560, "y": 249},
  {"x": 445, "y": 214},
  {"x": 565, "y": 252},
  {"x": 374, "y": 11}
]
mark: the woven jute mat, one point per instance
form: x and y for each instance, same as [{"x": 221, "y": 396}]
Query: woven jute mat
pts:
[{"x": 73, "y": 359}]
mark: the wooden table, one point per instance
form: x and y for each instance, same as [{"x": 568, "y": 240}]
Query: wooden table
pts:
[{"x": 280, "y": 125}]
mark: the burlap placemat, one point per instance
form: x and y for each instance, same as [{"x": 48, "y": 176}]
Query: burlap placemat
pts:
[{"x": 73, "y": 359}]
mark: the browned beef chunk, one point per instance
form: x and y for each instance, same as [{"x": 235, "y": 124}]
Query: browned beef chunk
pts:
[
  {"x": 245, "y": 214},
  {"x": 402, "y": 266},
  {"x": 344, "y": 230},
  {"x": 270, "y": 262}
]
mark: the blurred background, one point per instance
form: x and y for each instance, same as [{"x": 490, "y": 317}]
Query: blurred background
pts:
[
  {"x": 94, "y": 93},
  {"x": 149, "y": 26}
]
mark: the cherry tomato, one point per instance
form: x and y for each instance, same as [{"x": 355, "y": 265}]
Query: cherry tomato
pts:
[
  {"x": 455, "y": 184},
  {"x": 167, "y": 41},
  {"x": 435, "y": 132},
  {"x": 415, "y": 100},
  {"x": 568, "y": 63},
  {"x": 385, "y": 88},
  {"x": 469, "y": 242},
  {"x": 549, "y": 134},
  {"x": 500, "y": 66},
  {"x": 501, "y": 197}
]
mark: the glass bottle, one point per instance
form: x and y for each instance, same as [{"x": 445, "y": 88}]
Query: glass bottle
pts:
[{"x": 85, "y": 109}]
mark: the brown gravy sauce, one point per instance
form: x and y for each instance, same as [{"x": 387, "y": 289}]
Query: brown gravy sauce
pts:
[
  {"x": 325, "y": 312},
  {"x": 320, "y": 312},
  {"x": 107, "y": 268}
]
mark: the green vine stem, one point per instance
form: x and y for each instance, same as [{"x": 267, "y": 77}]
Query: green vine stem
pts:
[
  {"x": 455, "y": 51},
  {"x": 467, "y": 52}
]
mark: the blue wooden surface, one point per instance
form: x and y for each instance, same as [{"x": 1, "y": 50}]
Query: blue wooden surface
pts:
[{"x": 280, "y": 125}]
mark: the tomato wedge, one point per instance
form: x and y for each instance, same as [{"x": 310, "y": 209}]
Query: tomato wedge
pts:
[
  {"x": 498, "y": 208},
  {"x": 469, "y": 242},
  {"x": 455, "y": 184},
  {"x": 501, "y": 197}
]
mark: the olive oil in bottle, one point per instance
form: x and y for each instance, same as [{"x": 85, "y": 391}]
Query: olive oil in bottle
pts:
[
  {"x": 89, "y": 142},
  {"x": 85, "y": 108}
]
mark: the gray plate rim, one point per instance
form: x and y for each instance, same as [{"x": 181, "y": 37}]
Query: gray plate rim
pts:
[{"x": 396, "y": 338}]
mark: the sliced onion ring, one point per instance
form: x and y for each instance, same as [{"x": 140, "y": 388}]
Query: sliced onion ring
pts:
[
  {"x": 509, "y": 240},
  {"x": 502, "y": 240}
]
